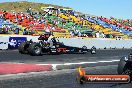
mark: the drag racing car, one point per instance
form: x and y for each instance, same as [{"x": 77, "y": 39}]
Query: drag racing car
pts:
[
  {"x": 50, "y": 47},
  {"x": 125, "y": 66}
]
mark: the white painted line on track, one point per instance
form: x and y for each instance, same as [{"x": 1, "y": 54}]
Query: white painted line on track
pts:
[
  {"x": 54, "y": 66},
  {"x": 65, "y": 63},
  {"x": 1, "y": 51},
  {"x": 82, "y": 63},
  {"x": 91, "y": 62}
]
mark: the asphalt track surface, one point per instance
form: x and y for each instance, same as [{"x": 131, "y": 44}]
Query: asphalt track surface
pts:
[
  {"x": 15, "y": 56},
  {"x": 61, "y": 78},
  {"x": 58, "y": 79}
]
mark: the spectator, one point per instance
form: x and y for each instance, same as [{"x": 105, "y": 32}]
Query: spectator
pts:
[
  {"x": 3, "y": 29},
  {"x": 79, "y": 34},
  {"x": 16, "y": 31},
  {"x": 76, "y": 32},
  {"x": 25, "y": 32},
  {"x": 72, "y": 33},
  {"x": 47, "y": 30},
  {"x": 97, "y": 35},
  {"x": 53, "y": 28},
  {"x": 31, "y": 31},
  {"x": 102, "y": 34}
]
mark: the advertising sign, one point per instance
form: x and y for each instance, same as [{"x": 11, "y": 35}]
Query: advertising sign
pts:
[{"x": 14, "y": 42}]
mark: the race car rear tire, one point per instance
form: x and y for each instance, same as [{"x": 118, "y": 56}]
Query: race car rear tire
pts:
[
  {"x": 35, "y": 49},
  {"x": 121, "y": 66},
  {"x": 22, "y": 49}
]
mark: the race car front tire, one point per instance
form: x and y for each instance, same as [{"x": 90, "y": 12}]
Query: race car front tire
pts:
[
  {"x": 22, "y": 49},
  {"x": 35, "y": 49}
]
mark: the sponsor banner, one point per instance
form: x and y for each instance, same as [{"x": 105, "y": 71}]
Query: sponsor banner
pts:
[
  {"x": 14, "y": 42},
  {"x": 4, "y": 42},
  {"x": 107, "y": 78},
  {"x": 100, "y": 78}
]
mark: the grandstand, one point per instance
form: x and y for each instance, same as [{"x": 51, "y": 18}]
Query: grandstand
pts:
[{"x": 61, "y": 22}]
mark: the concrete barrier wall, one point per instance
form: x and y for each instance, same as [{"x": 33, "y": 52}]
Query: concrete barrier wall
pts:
[
  {"x": 77, "y": 42},
  {"x": 4, "y": 42},
  {"x": 33, "y": 38},
  {"x": 98, "y": 43}
]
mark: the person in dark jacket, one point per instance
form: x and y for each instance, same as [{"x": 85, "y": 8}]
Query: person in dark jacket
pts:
[{"x": 25, "y": 32}]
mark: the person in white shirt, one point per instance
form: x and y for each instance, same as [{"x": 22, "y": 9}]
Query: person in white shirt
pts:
[
  {"x": 97, "y": 35},
  {"x": 47, "y": 30}
]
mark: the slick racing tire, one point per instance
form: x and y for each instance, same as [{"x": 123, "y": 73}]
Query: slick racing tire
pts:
[
  {"x": 22, "y": 48},
  {"x": 35, "y": 49},
  {"x": 121, "y": 66}
]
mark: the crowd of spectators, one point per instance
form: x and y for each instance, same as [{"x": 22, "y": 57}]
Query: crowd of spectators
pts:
[
  {"x": 41, "y": 21},
  {"x": 7, "y": 29}
]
